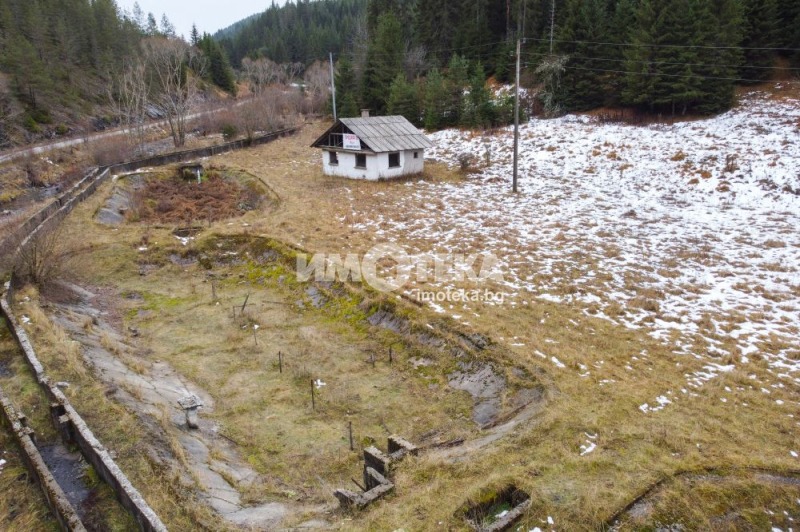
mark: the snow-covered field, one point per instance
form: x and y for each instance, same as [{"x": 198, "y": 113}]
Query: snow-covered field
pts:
[{"x": 690, "y": 231}]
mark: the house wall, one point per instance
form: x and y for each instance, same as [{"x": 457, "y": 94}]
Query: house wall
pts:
[{"x": 377, "y": 165}]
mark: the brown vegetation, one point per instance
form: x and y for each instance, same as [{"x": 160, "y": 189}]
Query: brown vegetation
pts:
[{"x": 175, "y": 200}]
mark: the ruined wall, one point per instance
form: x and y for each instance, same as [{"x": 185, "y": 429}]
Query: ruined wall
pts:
[{"x": 55, "y": 497}]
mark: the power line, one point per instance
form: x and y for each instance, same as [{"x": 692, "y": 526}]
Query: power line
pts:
[
  {"x": 701, "y": 76},
  {"x": 440, "y": 50},
  {"x": 669, "y": 45},
  {"x": 541, "y": 54}
]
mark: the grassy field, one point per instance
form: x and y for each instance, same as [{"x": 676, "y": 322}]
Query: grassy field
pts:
[{"x": 589, "y": 451}]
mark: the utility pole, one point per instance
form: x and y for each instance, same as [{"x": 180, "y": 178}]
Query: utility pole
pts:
[
  {"x": 516, "y": 118},
  {"x": 333, "y": 86},
  {"x": 524, "y": 16}
]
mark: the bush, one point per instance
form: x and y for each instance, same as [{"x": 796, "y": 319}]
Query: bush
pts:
[
  {"x": 229, "y": 131},
  {"x": 43, "y": 259},
  {"x": 30, "y": 124},
  {"x": 111, "y": 150}
]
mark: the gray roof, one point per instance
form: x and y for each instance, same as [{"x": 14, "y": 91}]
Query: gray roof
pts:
[{"x": 387, "y": 133}]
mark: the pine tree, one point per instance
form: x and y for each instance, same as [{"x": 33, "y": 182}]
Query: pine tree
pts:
[
  {"x": 152, "y": 25},
  {"x": 218, "y": 70},
  {"x": 456, "y": 82},
  {"x": 621, "y": 26},
  {"x": 384, "y": 62},
  {"x": 435, "y": 27},
  {"x": 478, "y": 108},
  {"x": 640, "y": 77},
  {"x": 584, "y": 82},
  {"x": 788, "y": 35},
  {"x": 760, "y": 31},
  {"x": 403, "y": 100},
  {"x": 435, "y": 100},
  {"x": 194, "y": 37},
  {"x": 680, "y": 23},
  {"x": 719, "y": 52},
  {"x": 346, "y": 89}
]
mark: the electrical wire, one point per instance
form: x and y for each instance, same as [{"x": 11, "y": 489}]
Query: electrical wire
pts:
[
  {"x": 659, "y": 74},
  {"x": 608, "y": 59},
  {"x": 668, "y": 45}
]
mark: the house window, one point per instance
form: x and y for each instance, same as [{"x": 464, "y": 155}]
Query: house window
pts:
[
  {"x": 394, "y": 160},
  {"x": 361, "y": 160},
  {"x": 333, "y": 158},
  {"x": 416, "y": 155}
]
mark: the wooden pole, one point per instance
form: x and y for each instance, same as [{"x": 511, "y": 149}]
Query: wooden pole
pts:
[
  {"x": 313, "y": 401},
  {"x": 280, "y": 362},
  {"x": 391, "y": 357},
  {"x": 246, "y": 299},
  {"x": 516, "y": 119},
  {"x": 350, "y": 427}
]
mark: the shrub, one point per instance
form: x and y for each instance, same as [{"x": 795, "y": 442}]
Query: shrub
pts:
[
  {"x": 43, "y": 259},
  {"x": 111, "y": 150},
  {"x": 229, "y": 131},
  {"x": 30, "y": 124}
]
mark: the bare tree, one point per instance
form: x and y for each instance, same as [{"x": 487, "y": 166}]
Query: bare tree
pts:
[
  {"x": 359, "y": 45},
  {"x": 260, "y": 74},
  {"x": 292, "y": 71},
  {"x": 253, "y": 116},
  {"x": 317, "y": 79},
  {"x": 42, "y": 259},
  {"x": 549, "y": 73},
  {"x": 172, "y": 89},
  {"x": 6, "y": 117},
  {"x": 415, "y": 61},
  {"x": 128, "y": 94}
]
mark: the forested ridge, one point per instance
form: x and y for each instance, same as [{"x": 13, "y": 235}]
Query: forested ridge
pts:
[
  {"x": 60, "y": 59},
  {"x": 666, "y": 56}
]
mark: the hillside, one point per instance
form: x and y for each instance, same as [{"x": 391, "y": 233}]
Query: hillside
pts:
[
  {"x": 61, "y": 64},
  {"x": 686, "y": 231},
  {"x": 55, "y": 58}
]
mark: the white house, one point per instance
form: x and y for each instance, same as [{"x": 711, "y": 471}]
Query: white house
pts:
[{"x": 373, "y": 148}]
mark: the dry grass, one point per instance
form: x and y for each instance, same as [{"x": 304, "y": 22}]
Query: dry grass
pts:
[
  {"x": 114, "y": 426},
  {"x": 608, "y": 371}
]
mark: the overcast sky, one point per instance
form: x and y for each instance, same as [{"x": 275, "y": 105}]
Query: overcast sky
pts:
[{"x": 209, "y": 15}]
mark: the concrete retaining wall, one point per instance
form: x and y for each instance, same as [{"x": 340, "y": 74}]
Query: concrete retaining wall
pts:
[
  {"x": 55, "y": 497},
  {"x": 75, "y": 431}
]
